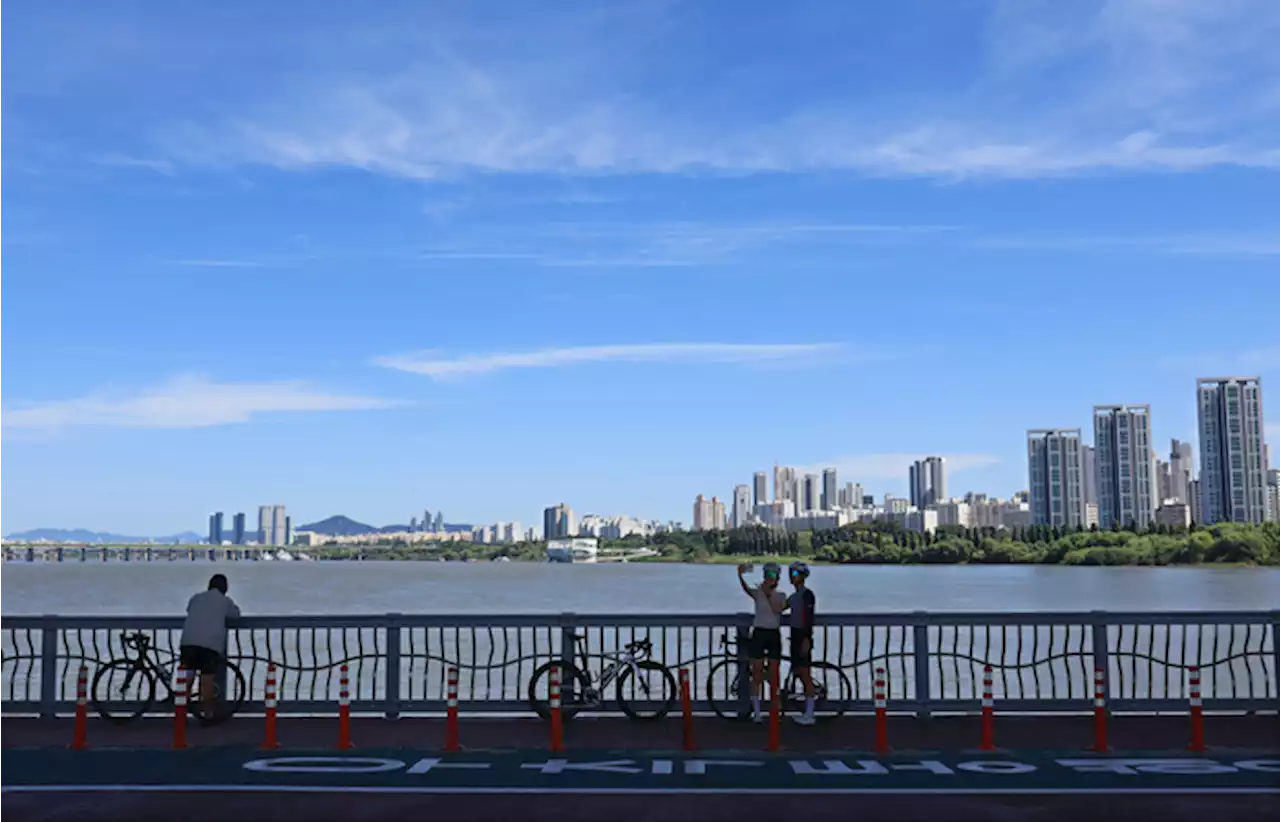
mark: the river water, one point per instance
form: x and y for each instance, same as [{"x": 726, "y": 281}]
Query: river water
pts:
[{"x": 162, "y": 588}]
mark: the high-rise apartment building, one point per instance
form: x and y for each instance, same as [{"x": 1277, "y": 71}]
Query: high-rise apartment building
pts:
[
  {"x": 215, "y": 528},
  {"x": 760, "y": 488},
  {"x": 438, "y": 526},
  {"x": 237, "y": 529},
  {"x": 1180, "y": 471},
  {"x": 1232, "y": 443},
  {"x": 1057, "y": 489},
  {"x": 557, "y": 522},
  {"x": 741, "y": 505},
  {"x": 829, "y": 484},
  {"x": 1126, "y": 467},
  {"x": 1164, "y": 481},
  {"x": 810, "y": 493},
  {"x": 279, "y": 526},
  {"x": 1273, "y": 494},
  {"x": 785, "y": 485},
  {"x": 708, "y": 514},
  {"x": 1089, "y": 474},
  {"x": 927, "y": 480}
]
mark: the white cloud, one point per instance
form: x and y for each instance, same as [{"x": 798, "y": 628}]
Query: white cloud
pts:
[
  {"x": 865, "y": 467},
  {"x": 217, "y": 263},
  {"x": 1062, "y": 88},
  {"x": 442, "y": 368},
  {"x": 185, "y": 402}
]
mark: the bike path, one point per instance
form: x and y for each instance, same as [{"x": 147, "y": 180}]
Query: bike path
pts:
[{"x": 401, "y": 770}]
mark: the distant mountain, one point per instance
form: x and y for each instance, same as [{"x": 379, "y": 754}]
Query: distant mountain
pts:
[
  {"x": 340, "y": 526},
  {"x": 337, "y": 526},
  {"x": 99, "y": 537}
]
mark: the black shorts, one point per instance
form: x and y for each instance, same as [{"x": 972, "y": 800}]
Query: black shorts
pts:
[
  {"x": 766, "y": 643},
  {"x": 204, "y": 660},
  {"x": 801, "y": 657}
]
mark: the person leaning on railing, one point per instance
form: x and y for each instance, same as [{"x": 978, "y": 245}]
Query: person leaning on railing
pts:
[{"x": 203, "y": 646}]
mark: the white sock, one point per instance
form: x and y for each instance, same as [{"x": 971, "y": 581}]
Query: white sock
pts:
[
  {"x": 808, "y": 706},
  {"x": 755, "y": 705}
]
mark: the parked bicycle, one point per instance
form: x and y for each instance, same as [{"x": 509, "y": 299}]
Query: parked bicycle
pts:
[
  {"x": 125, "y": 688},
  {"x": 629, "y": 667},
  {"x": 832, "y": 691}
]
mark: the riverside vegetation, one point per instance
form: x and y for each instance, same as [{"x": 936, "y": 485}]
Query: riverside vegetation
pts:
[{"x": 888, "y": 543}]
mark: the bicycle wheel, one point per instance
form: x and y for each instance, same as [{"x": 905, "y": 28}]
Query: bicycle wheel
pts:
[
  {"x": 832, "y": 691},
  {"x": 644, "y": 703},
  {"x": 575, "y": 690},
  {"x": 225, "y": 706},
  {"x": 723, "y": 690},
  {"x": 123, "y": 690}
]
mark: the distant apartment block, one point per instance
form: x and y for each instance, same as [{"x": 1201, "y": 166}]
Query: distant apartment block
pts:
[
  {"x": 1126, "y": 468},
  {"x": 829, "y": 500},
  {"x": 1053, "y": 466},
  {"x": 927, "y": 480},
  {"x": 273, "y": 525},
  {"x": 215, "y": 528},
  {"x": 810, "y": 494},
  {"x": 1181, "y": 470},
  {"x": 760, "y": 488},
  {"x": 741, "y": 505},
  {"x": 558, "y": 522},
  {"x": 1089, "y": 473},
  {"x": 1232, "y": 444},
  {"x": 237, "y": 529},
  {"x": 785, "y": 485},
  {"x": 1174, "y": 515},
  {"x": 1273, "y": 494},
  {"x": 708, "y": 514}
]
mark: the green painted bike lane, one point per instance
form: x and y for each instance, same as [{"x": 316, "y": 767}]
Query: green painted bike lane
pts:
[{"x": 619, "y": 772}]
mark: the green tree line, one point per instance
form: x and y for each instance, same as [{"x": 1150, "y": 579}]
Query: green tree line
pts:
[{"x": 887, "y": 542}]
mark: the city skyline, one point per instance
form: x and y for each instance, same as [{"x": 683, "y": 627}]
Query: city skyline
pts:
[{"x": 488, "y": 257}]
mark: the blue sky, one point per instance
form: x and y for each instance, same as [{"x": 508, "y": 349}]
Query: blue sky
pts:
[{"x": 486, "y": 257}]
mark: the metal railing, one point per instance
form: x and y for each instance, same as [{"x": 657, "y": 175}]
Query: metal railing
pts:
[{"x": 1043, "y": 662}]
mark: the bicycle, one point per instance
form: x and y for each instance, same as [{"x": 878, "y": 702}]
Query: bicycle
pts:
[
  {"x": 579, "y": 690},
  {"x": 136, "y": 691},
  {"x": 828, "y": 680}
]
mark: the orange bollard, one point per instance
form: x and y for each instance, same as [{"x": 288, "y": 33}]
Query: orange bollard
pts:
[
  {"x": 78, "y": 742},
  {"x": 1099, "y": 712},
  {"x": 686, "y": 707},
  {"x": 988, "y": 713},
  {"x": 1197, "y": 712},
  {"x": 775, "y": 710},
  {"x": 180, "y": 708},
  {"x": 882, "y": 717},
  {"x": 451, "y": 719},
  {"x": 557, "y": 725},
  {"x": 269, "y": 742},
  {"x": 344, "y": 710}
]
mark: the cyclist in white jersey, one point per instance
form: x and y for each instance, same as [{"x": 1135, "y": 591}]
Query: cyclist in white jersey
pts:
[{"x": 765, "y": 647}]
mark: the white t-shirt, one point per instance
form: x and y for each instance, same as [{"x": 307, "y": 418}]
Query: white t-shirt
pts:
[{"x": 206, "y": 624}]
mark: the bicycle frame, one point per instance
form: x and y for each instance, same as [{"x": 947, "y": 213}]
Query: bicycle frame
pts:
[{"x": 610, "y": 672}]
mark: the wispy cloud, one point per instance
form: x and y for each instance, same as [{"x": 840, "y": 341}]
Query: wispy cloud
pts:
[
  {"x": 185, "y": 402},
  {"x": 1061, "y": 88},
  {"x": 1247, "y": 363},
  {"x": 125, "y": 161},
  {"x": 863, "y": 467},
  {"x": 217, "y": 263},
  {"x": 438, "y": 367}
]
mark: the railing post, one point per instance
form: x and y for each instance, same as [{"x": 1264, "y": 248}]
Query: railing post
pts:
[
  {"x": 920, "y": 655},
  {"x": 1101, "y": 644},
  {"x": 1275, "y": 654},
  {"x": 744, "y": 663},
  {"x": 48, "y": 667},
  {"x": 568, "y": 627},
  {"x": 392, "y": 692}
]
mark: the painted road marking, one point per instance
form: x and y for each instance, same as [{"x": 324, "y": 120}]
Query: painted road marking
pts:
[
  {"x": 390, "y": 771},
  {"x": 426, "y": 789}
]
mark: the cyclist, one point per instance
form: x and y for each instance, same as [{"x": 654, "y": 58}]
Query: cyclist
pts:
[
  {"x": 802, "y": 604},
  {"x": 204, "y": 636},
  {"x": 765, "y": 647}
]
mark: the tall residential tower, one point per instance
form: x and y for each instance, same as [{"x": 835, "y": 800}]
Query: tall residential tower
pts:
[
  {"x": 927, "y": 479},
  {"x": 1125, "y": 465},
  {"x": 1057, "y": 487},
  {"x": 1232, "y": 474}
]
